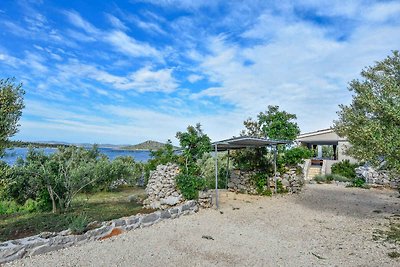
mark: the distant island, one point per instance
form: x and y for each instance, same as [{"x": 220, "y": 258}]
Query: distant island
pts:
[
  {"x": 37, "y": 144},
  {"x": 147, "y": 145}
]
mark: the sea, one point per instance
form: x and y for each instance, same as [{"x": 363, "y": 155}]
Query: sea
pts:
[{"x": 13, "y": 154}]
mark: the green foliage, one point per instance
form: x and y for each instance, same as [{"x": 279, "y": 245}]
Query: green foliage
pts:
[
  {"x": 9, "y": 207},
  {"x": 11, "y": 105},
  {"x": 331, "y": 177},
  {"x": 161, "y": 156},
  {"x": 257, "y": 159},
  {"x": 345, "y": 168},
  {"x": 296, "y": 155},
  {"x": 260, "y": 180},
  {"x": 327, "y": 152},
  {"x": 278, "y": 125},
  {"x": 358, "y": 182},
  {"x": 59, "y": 177},
  {"x": 273, "y": 124},
  {"x": 78, "y": 223},
  {"x": 371, "y": 122},
  {"x": 189, "y": 185},
  {"x": 12, "y": 207},
  {"x": 207, "y": 168},
  {"x": 195, "y": 144},
  {"x": 102, "y": 206},
  {"x": 279, "y": 188}
]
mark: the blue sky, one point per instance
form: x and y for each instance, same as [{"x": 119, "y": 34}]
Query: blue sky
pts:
[{"x": 127, "y": 71}]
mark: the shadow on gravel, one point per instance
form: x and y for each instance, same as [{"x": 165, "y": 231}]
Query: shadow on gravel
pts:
[{"x": 354, "y": 202}]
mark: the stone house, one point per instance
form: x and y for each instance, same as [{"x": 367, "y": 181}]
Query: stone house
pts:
[{"x": 316, "y": 140}]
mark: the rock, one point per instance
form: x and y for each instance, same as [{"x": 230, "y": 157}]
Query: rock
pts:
[
  {"x": 171, "y": 201},
  {"x": 119, "y": 222},
  {"x": 46, "y": 235},
  {"x": 165, "y": 214},
  {"x": 151, "y": 218}
]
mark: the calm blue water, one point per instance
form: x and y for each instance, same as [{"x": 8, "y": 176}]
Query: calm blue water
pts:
[{"x": 142, "y": 156}]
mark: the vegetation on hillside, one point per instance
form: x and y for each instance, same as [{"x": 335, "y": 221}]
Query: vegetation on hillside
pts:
[{"x": 147, "y": 145}]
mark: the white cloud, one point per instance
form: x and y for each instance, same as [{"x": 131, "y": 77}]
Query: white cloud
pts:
[
  {"x": 382, "y": 11},
  {"x": 142, "y": 80},
  {"x": 128, "y": 45},
  {"x": 194, "y": 78},
  {"x": 147, "y": 80},
  {"x": 298, "y": 66},
  {"x": 116, "y": 22},
  {"x": 76, "y": 19},
  {"x": 35, "y": 62}
]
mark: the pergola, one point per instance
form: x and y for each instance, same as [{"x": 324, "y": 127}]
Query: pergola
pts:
[{"x": 241, "y": 143}]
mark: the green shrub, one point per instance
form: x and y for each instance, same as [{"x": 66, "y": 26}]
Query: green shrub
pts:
[
  {"x": 345, "y": 168},
  {"x": 328, "y": 178},
  {"x": 78, "y": 224},
  {"x": 321, "y": 179},
  {"x": 9, "y": 207},
  {"x": 207, "y": 170},
  {"x": 358, "y": 182},
  {"x": 260, "y": 181},
  {"x": 296, "y": 155},
  {"x": 189, "y": 185},
  {"x": 279, "y": 188}
]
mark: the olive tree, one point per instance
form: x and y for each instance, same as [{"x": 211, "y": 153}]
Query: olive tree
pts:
[
  {"x": 371, "y": 122},
  {"x": 11, "y": 105}
]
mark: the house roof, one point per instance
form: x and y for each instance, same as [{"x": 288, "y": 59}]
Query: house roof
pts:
[
  {"x": 245, "y": 142},
  {"x": 320, "y": 137}
]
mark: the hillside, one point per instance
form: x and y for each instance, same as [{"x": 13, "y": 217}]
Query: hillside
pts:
[{"x": 147, "y": 145}]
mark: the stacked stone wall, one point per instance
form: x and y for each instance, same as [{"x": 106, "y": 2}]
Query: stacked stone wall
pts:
[
  {"x": 377, "y": 177},
  {"x": 161, "y": 189},
  {"x": 243, "y": 181}
]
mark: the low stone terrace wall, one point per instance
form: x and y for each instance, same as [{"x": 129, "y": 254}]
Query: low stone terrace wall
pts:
[{"x": 48, "y": 241}]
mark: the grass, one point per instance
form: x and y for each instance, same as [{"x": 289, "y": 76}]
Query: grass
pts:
[
  {"x": 328, "y": 178},
  {"x": 101, "y": 206}
]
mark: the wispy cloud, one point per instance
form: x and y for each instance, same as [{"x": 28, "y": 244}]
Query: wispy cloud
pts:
[
  {"x": 116, "y": 22},
  {"x": 79, "y": 22},
  {"x": 128, "y": 45}
]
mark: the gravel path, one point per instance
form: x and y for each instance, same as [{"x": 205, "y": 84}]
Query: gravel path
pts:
[{"x": 325, "y": 225}]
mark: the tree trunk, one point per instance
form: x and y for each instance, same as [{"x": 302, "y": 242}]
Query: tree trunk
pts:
[{"x": 53, "y": 202}]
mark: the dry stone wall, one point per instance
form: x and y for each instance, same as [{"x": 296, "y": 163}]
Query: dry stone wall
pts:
[
  {"x": 161, "y": 189},
  {"x": 375, "y": 177},
  {"x": 292, "y": 180},
  {"x": 48, "y": 241},
  {"x": 243, "y": 182}
]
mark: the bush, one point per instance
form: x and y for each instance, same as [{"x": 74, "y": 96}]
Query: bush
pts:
[
  {"x": 296, "y": 155},
  {"x": 207, "y": 170},
  {"x": 78, "y": 224},
  {"x": 328, "y": 178},
  {"x": 279, "y": 188},
  {"x": 260, "y": 180},
  {"x": 345, "y": 168},
  {"x": 56, "y": 179},
  {"x": 189, "y": 185},
  {"x": 358, "y": 182},
  {"x": 9, "y": 207}
]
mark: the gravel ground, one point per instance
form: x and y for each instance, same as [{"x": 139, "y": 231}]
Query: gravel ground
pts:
[{"x": 325, "y": 225}]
